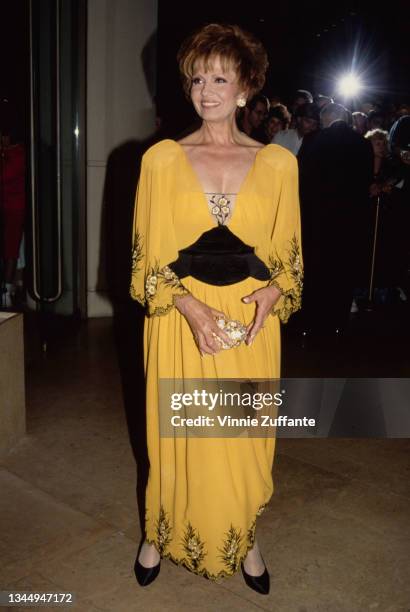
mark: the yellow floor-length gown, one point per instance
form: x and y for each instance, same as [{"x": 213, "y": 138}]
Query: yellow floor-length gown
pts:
[{"x": 204, "y": 494}]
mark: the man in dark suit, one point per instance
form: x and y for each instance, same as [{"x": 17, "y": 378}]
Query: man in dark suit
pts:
[{"x": 336, "y": 171}]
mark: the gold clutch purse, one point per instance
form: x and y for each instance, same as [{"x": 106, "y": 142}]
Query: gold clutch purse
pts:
[{"x": 234, "y": 329}]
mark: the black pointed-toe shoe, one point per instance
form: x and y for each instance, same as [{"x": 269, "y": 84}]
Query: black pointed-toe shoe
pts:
[
  {"x": 145, "y": 575},
  {"x": 260, "y": 584}
]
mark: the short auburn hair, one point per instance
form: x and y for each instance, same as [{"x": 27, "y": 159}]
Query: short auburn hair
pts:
[{"x": 236, "y": 49}]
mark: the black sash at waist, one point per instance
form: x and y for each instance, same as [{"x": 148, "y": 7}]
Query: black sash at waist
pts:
[{"x": 219, "y": 257}]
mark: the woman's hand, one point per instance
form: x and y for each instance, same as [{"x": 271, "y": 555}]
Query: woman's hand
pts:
[
  {"x": 265, "y": 298},
  {"x": 201, "y": 319}
]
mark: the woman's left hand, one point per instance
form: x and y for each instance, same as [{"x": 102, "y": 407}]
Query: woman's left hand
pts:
[{"x": 265, "y": 298}]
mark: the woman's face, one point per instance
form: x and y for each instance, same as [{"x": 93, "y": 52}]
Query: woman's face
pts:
[
  {"x": 379, "y": 147},
  {"x": 274, "y": 126},
  {"x": 214, "y": 93}
]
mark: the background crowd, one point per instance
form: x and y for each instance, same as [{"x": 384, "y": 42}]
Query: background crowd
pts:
[{"x": 354, "y": 190}]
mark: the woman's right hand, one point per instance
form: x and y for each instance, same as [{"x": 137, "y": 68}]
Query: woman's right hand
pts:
[{"x": 201, "y": 319}]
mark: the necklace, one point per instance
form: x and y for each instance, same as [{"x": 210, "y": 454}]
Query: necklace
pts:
[{"x": 220, "y": 206}]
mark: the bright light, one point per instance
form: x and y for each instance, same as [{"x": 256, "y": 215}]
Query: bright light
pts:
[{"x": 349, "y": 85}]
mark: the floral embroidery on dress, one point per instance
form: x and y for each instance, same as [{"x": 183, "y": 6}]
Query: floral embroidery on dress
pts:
[
  {"x": 155, "y": 282},
  {"x": 136, "y": 258},
  {"x": 193, "y": 547},
  {"x": 251, "y": 534},
  {"x": 276, "y": 267},
  {"x": 165, "y": 276},
  {"x": 136, "y": 254},
  {"x": 170, "y": 279},
  {"x": 151, "y": 283},
  {"x": 230, "y": 551},
  {"x": 295, "y": 264},
  {"x": 163, "y": 531},
  {"x": 261, "y": 509},
  {"x": 291, "y": 299}
]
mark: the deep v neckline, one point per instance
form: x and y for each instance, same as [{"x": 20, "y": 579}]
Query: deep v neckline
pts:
[{"x": 204, "y": 193}]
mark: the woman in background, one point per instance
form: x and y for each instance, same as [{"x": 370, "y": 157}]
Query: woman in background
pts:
[{"x": 390, "y": 261}]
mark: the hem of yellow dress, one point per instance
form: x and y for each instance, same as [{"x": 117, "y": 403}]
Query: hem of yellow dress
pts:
[{"x": 204, "y": 572}]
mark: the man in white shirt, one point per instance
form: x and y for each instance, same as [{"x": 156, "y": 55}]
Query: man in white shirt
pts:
[{"x": 307, "y": 121}]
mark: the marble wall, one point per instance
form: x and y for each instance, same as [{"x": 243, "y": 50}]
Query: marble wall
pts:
[{"x": 119, "y": 109}]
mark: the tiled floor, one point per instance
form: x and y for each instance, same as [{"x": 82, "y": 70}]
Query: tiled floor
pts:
[{"x": 335, "y": 535}]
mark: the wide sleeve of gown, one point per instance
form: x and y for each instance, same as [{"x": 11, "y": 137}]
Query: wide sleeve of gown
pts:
[
  {"x": 153, "y": 284},
  {"x": 285, "y": 254}
]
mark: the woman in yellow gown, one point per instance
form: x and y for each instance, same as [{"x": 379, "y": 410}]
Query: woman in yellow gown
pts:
[{"x": 204, "y": 493}]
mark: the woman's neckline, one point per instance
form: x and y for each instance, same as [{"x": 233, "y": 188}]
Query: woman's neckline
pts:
[
  {"x": 194, "y": 172},
  {"x": 200, "y": 186}
]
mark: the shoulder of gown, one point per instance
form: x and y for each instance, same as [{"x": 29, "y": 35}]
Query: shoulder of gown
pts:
[
  {"x": 278, "y": 157},
  {"x": 162, "y": 153}
]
